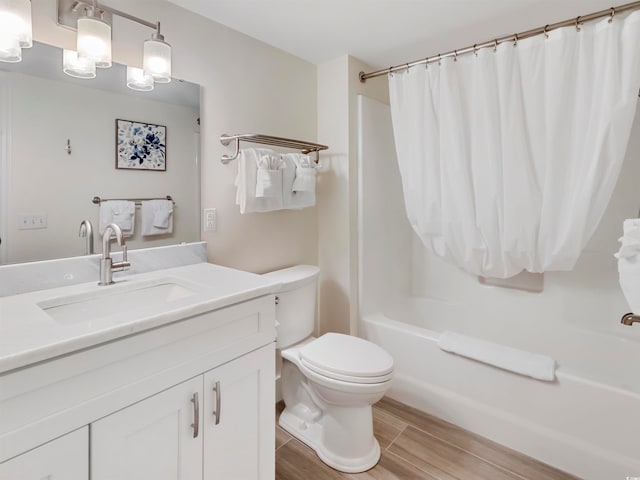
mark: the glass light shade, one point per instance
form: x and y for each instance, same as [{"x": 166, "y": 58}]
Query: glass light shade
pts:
[
  {"x": 77, "y": 67},
  {"x": 10, "y": 50},
  {"x": 94, "y": 41},
  {"x": 157, "y": 60},
  {"x": 137, "y": 79},
  {"x": 15, "y": 21}
]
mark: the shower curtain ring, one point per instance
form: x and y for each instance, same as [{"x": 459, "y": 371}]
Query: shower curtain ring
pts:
[
  {"x": 391, "y": 71},
  {"x": 495, "y": 45},
  {"x": 426, "y": 63},
  {"x": 613, "y": 12},
  {"x": 515, "y": 40},
  {"x": 407, "y": 65},
  {"x": 439, "y": 59},
  {"x": 546, "y": 31},
  {"x": 578, "y": 29},
  {"x": 455, "y": 55}
]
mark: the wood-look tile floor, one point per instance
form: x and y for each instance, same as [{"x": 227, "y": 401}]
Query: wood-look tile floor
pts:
[{"x": 416, "y": 446}]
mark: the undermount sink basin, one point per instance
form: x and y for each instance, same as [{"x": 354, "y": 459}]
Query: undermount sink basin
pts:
[{"x": 122, "y": 299}]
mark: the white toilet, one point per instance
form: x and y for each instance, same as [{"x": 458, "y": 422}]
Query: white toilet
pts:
[{"x": 328, "y": 383}]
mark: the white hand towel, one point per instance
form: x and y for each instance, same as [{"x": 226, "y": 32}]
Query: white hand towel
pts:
[
  {"x": 532, "y": 365},
  {"x": 269, "y": 176},
  {"x": 295, "y": 200},
  {"x": 120, "y": 212},
  {"x": 246, "y": 181},
  {"x": 629, "y": 263},
  {"x": 630, "y": 240},
  {"x": 305, "y": 180},
  {"x": 156, "y": 217}
]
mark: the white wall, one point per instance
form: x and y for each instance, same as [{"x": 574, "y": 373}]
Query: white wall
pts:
[
  {"x": 385, "y": 246},
  {"x": 338, "y": 87},
  {"x": 248, "y": 86},
  {"x": 45, "y": 179}
]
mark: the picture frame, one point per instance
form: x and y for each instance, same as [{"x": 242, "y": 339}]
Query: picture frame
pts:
[{"x": 141, "y": 146}]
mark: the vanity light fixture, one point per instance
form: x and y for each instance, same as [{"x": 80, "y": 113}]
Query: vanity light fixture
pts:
[
  {"x": 77, "y": 67},
  {"x": 94, "y": 37},
  {"x": 93, "y": 23},
  {"x": 15, "y": 29},
  {"x": 138, "y": 79},
  {"x": 157, "y": 58}
]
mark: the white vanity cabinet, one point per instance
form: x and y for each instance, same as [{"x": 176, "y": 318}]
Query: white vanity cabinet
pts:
[
  {"x": 221, "y": 421},
  {"x": 125, "y": 406},
  {"x": 155, "y": 438},
  {"x": 65, "y": 458},
  {"x": 239, "y": 418}
]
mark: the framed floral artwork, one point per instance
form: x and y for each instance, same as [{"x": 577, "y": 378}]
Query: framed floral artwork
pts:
[{"x": 141, "y": 146}]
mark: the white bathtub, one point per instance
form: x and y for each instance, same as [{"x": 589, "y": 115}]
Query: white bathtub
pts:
[{"x": 587, "y": 422}]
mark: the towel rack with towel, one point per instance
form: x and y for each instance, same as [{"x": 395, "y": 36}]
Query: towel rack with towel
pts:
[
  {"x": 138, "y": 201},
  {"x": 305, "y": 147}
]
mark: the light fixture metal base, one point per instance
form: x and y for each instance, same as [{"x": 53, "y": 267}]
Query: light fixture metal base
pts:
[{"x": 69, "y": 10}]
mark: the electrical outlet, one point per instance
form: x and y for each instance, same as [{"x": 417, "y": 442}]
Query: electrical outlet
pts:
[
  {"x": 32, "y": 221},
  {"x": 209, "y": 220}
]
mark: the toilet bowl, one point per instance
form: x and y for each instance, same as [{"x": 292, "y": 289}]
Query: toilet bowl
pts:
[{"x": 328, "y": 383}]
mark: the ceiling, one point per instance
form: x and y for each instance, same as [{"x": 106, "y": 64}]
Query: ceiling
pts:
[{"x": 384, "y": 32}]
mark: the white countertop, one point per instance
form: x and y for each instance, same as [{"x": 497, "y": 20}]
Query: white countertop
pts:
[{"x": 28, "y": 334}]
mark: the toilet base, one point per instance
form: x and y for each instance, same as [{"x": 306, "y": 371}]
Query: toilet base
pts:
[{"x": 315, "y": 434}]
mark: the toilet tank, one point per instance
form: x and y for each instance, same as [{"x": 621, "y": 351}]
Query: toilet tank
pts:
[{"x": 296, "y": 306}]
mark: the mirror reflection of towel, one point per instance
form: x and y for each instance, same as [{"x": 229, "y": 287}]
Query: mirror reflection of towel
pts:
[
  {"x": 120, "y": 212},
  {"x": 156, "y": 217}
]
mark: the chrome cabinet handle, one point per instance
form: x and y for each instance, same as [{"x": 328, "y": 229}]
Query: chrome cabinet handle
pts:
[
  {"x": 196, "y": 415},
  {"x": 216, "y": 412}
]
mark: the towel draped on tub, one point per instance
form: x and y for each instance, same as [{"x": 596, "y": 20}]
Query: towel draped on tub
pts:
[{"x": 533, "y": 365}]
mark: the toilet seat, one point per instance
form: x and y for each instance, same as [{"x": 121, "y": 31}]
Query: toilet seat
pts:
[{"x": 347, "y": 358}]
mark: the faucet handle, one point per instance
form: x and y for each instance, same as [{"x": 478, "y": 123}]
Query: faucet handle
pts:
[
  {"x": 120, "y": 266},
  {"x": 124, "y": 264}
]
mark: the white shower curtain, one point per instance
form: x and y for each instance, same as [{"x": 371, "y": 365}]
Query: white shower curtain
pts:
[{"x": 509, "y": 158}]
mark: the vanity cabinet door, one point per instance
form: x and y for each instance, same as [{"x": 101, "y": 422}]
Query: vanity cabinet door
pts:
[
  {"x": 154, "y": 439},
  {"x": 65, "y": 458},
  {"x": 239, "y": 418}
]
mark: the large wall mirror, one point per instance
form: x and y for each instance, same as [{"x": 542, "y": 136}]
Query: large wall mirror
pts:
[{"x": 58, "y": 151}]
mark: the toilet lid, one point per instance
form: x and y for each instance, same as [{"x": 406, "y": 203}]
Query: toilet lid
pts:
[{"x": 347, "y": 358}]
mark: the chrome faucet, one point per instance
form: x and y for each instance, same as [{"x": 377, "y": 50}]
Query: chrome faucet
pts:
[
  {"x": 630, "y": 319},
  {"x": 86, "y": 230},
  {"x": 107, "y": 267}
]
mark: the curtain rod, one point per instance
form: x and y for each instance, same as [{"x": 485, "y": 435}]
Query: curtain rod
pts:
[{"x": 510, "y": 38}]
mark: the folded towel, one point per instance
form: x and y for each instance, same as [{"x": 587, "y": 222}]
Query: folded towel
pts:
[
  {"x": 630, "y": 240},
  {"x": 246, "y": 182},
  {"x": 533, "y": 365},
  {"x": 269, "y": 176},
  {"x": 305, "y": 180},
  {"x": 629, "y": 263},
  {"x": 306, "y": 197},
  {"x": 120, "y": 212},
  {"x": 156, "y": 217}
]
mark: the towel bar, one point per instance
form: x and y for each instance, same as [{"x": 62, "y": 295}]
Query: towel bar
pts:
[
  {"x": 97, "y": 200},
  {"x": 305, "y": 147}
]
